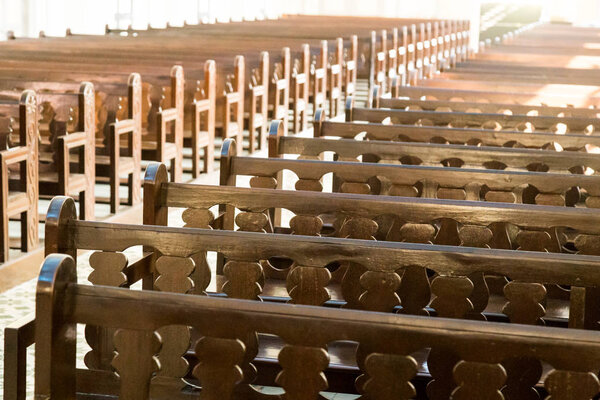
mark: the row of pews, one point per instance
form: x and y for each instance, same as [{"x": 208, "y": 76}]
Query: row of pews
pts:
[
  {"x": 439, "y": 243},
  {"x": 86, "y": 110}
]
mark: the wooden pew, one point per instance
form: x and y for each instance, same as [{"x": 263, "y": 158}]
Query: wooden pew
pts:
[
  {"x": 20, "y": 200},
  {"x": 566, "y": 104},
  {"x": 574, "y": 356},
  {"x": 504, "y": 73},
  {"x": 158, "y": 102},
  {"x": 111, "y": 268},
  {"x": 443, "y": 222},
  {"x": 416, "y": 181},
  {"x": 61, "y": 135},
  {"x": 586, "y": 95},
  {"x": 326, "y": 77},
  {"x": 118, "y": 114},
  {"x": 463, "y": 106},
  {"x": 380, "y": 50},
  {"x": 471, "y": 119},
  {"x": 141, "y": 54},
  {"x": 109, "y": 62},
  {"x": 444, "y": 135},
  {"x": 433, "y": 154}
]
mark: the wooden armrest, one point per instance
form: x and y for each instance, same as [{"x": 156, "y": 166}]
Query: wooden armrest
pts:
[
  {"x": 18, "y": 336},
  {"x": 233, "y": 97},
  {"x": 13, "y": 156},
  {"x": 118, "y": 129},
  {"x": 73, "y": 140},
  {"x": 202, "y": 105},
  {"x": 258, "y": 90},
  {"x": 170, "y": 114},
  {"x": 124, "y": 127}
]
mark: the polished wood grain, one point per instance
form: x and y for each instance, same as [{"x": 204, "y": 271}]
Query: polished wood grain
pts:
[{"x": 572, "y": 354}]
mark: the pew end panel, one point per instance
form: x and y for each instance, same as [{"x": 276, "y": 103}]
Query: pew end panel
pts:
[
  {"x": 202, "y": 129},
  {"x": 319, "y": 77},
  {"x": 230, "y": 107},
  {"x": 301, "y": 82},
  {"x": 257, "y": 104},
  {"x": 334, "y": 78},
  {"x": 351, "y": 68},
  {"x": 58, "y": 174},
  {"x": 121, "y": 150},
  {"x": 279, "y": 93},
  {"x": 19, "y": 193},
  {"x": 164, "y": 129}
]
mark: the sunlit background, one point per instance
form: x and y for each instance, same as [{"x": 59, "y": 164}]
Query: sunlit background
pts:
[{"x": 53, "y": 17}]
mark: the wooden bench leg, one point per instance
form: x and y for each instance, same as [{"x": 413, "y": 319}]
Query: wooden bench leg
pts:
[
  {"x": 114, "y": 189},
  {"x": 5, "y": 241},
  {"x": 251, "y": 123},
  {"x": 296, "y": 119},
  {"x": 17, "y": 337},
  {"x": 196, "y": 153},
  {"x": 177, "y": 168},
  {"x": 86, "y": 205},
  {"x": 130, "y": 188},
  {"x": 209, "y": 157},
  {"x": 25, "y": 232}
]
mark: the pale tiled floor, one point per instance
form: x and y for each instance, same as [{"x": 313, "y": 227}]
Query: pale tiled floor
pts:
[{"x": 20, "y": 300}]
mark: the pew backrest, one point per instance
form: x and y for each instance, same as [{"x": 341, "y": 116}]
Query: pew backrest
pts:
[{"x": 574, "y": 356}]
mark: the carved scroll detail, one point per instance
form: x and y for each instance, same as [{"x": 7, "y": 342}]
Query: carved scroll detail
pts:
[
  {"x": 252, "y": 221},
  {"x": 307, "y": 225},
  {"x": 352, "y": 289}
]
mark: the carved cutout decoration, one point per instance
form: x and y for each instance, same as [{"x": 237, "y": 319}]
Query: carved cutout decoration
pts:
[
  {"x": 108, "y": 270},
  {"x": 568, "y": 385},
  {"x": 308, "y": 285},
  {"x": 525, "y": 302},
  {"x": 245, "y": 280},
  {"x": 135, "y": 362},
  {"x": 302, "y": 374},
  {"x": 379, "y": 291},
  {"x": 452, "y": 296},
  {"x": 203, "y": 219},
  {"x": 441, "y": 363},
  {"x": 174, "y": 276},
  {"x": 388, "y": 376},
  {"x": 218, "y": 368},
  {"x": 478, "y": 381},
  {"x": 522, "y": 375}
]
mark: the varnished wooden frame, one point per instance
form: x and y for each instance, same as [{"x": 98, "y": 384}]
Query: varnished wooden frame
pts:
[
  {"x": 23, "y": 201},
  {"x": 574, "y": 355}
]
